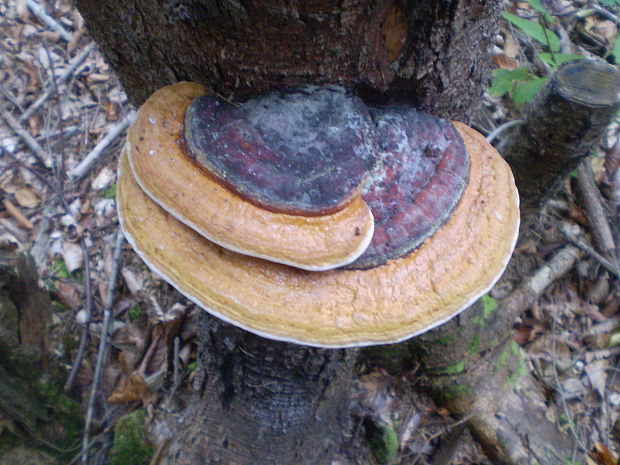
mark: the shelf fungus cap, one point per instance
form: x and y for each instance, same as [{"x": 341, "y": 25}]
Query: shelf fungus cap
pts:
[
  {"x": 160, "y": 162},
  {"x": 340, "y": 308}
]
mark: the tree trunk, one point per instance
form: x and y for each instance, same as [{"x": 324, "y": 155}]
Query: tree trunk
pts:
[
  {"x": 434, "y": 54},
  {"x": 265, "y": 402}
]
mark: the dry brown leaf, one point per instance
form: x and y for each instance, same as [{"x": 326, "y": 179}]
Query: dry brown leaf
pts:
[
  {"x": 597, "y": 373},
  {"x": 112, "y": 110},
  {"x": 26, "y": 197},
  {"x": 505, "y": 62},
  {"x": 511, "y": 46},
  {"x": 104, "y": 178},
  {"x": 52, "y": 36},
  {"x": 603, "y": 456},
  {"x": 73, "y": 256},
  {"x": 127, "y": 361},
  {"x": 606, "y": 30},
  {"x": 133, "y": 282},
  {"x": 69, "y": 294},
  {"x": 98, "y": 77},
  {"x": 130, "y": 389}
]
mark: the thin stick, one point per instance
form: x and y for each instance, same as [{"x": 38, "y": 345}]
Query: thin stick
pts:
[
  {"x": 37, "y": 150},
  {"x": 595, "y": 212},
  {"x": 501, "y": 128},
  {"x": 530, "y": 289},
  {"x": 103, "y": 343},
  {"x": 77, "y": 61},
  {"x": 587, "y": 248},
  {"x": 40, "y": 13},
  {"x": 7, "y": 93},
  {"x": 607, "y": 14},
  {"x": 88, "y": 162},
  {"x": 85, "y": 331},
  {"x": 60, "y": 167},
  {"x": 15, "y": 213}
]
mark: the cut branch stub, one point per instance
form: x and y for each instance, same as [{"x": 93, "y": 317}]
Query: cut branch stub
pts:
[
  {"x": 420, "y": 174},
  {"x": 563, "y": 124},
  {"x": 299, "y": 152}
]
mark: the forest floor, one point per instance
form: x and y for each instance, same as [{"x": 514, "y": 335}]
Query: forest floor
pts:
[{"x": 62, "y": 125}]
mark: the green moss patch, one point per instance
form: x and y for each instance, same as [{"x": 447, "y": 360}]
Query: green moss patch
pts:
[{"x": 130, "y": 444}]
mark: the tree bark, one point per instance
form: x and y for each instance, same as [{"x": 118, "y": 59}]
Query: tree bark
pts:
[
  {"x": 261, "y": 401},
  {"x": 265, "y": 402},
  {"x": 434, "y": 54}
]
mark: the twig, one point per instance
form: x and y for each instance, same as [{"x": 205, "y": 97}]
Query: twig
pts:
[
  {"x": 103, "y": 343},
  {"x": 40, "y": 13},
  {"x": 20, "y": 234},
  {"x": 85, "y": 331},
  {"x": 77, "y": 61},
  {"x": 502, "y": 127},
  {"x": 159, "y": 453},
  {"x": 567, "y": 413},
  {"x": 87, "y": 163},
  {"x": 37, "y": 150},
  {"x": 60, "y": 167},
  {"x": 15, "y": 213},
  {"x": 530, "y": 289},
  {"x": 607, "y": 14},
  {"x": 7, "y": 93},
  {"x": 595, "y": 212},
  {"x": 587, "y": 248}
]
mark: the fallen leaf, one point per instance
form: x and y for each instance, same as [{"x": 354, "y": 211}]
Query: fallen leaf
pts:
[
  {"x": 130, "y": 389},
  {"x": 72, "y": 255},
  {"x": 134, "y": 283},
  {"x": 603, "y": 456},
  {"x": 105, "y": 177},
  {"x": 597, "y": 373},
  {"x": 606, "y": 30},
  {"x": 26, "y": 197},
  {"x": 69, "y": 294},
  {"x": 505, "y": 62}
]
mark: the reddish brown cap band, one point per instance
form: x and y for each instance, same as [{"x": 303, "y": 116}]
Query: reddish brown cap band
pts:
[
  {"x": 420, "y": 174},
  {"x": 340, "y": 308},
  {"x": 300, "y": 152}
]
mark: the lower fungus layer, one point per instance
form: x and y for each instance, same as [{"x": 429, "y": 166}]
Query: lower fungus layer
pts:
[
  {"x": 339, "y": 308},
  {"x": 421, "y": 170}
]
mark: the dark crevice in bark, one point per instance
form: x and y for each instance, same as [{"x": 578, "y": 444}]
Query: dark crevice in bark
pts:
[{"x": 262, "y": 401}]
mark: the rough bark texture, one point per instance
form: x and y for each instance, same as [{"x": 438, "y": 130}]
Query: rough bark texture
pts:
[
  {"x": 431, "y": 53},
  {"x": 263, "y": 402},
  {"x": 563, "y": 123},
  {"x": 266, "y": 402}
]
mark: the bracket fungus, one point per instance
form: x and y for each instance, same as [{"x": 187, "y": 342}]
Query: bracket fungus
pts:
[
  {"x": 446, "y": 219},
  {"x": 191, "y": 193}
]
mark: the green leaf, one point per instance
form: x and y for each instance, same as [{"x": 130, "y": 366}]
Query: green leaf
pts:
[
  {"x": 535, "y": 31},
  {"x": 609, "y": 2},
  {"x": 58, "y": 269},
  {"x": 110, "y": 192},
  {"x": 504, "y": 79},
  {"x": 556, "y": 59},
  {"x": 616, "y": 50},
  {"x": 538, "y": 7},
  {"x": 524, "y": 93}
]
